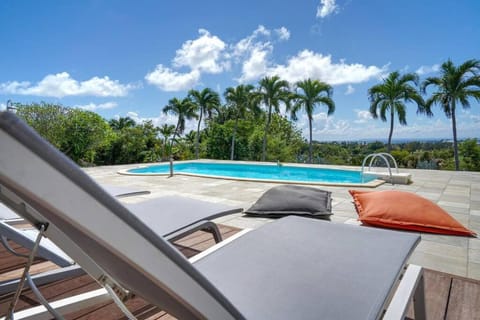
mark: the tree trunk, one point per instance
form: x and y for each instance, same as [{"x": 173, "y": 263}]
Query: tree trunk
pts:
[
  {"x": 310, "y": 147},
  {"x": 197, "y": 137},
  {"x": 389, "y": 145},
  {"x": 164, "y": 148},
  {"x": 267, "y": 126},
  {"x": 455, "y": 145},
  {"x": 232, "y": 150},
  {"x": 173, "y": 139}
]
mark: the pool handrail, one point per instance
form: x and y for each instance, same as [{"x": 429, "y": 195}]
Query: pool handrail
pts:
[{"x": 384, "y": 156}]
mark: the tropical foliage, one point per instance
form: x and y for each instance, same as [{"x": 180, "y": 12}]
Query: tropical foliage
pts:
[
  {"x": 312, "y": 93},
  {"x": 241, "y": 99},
  {"x": 390, "y": 97},
  {"x": 273, "y": 91},
  {"x": 184, "y": 110},
  {"x": 251, "y": 124},
  {"x": 206, "y": 102},
  {"x": 455, "y": 85}
]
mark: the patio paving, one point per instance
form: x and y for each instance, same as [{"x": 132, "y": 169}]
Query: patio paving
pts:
[{"x": 456, "y": 192}]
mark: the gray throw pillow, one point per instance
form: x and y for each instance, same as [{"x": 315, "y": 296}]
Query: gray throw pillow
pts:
[{"x": 293, "y": 200}]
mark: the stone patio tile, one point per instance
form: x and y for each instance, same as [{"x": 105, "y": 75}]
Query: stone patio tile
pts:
[
  {"x": 475, "y": 212},
  {"x": 340, "y": 219},
  {"x": 433, "y": 196},
  {"x": 460, "y": 195},
  {"x": 460, "y": 205},
  {"x": 457, "y": 241},
  {"x": 474, "y": 204},
  {"x": 439, "y": 263},
  {"x": 440, "y": 249},
  {"x": 475, "y": 224},
  {"x": 459, "y": 182},
  {"x": 474, "y": 256},
  {"x": 345, "y": 214},
  {"x": 474, "y": 243},
  {"x": 459, "y": 211},
  {"x": 434, "y": 185},
  {"x": 473, "y": 270},
  {"x": 455, "y": 199}
]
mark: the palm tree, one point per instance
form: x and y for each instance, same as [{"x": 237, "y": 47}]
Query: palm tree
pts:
[
  {"x": 122, "y": 122},
  {"x": 272, "y": 91},
  {"x": 454, "y": 85},
  {"x": 185, "y": 110},
  {"x": 241, "y": 99},
  {"x": 314, "y": 93},
  {"x": 391, "y": 96},
  {"x": 206, "y": 101},
  {"x": 166, "y": 130}
]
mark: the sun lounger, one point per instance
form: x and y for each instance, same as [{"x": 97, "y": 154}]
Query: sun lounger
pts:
[
  {"x": 178, "y": 217},
  {"x": 11, "y": 217},
  {"x": 290, "y": 268}
]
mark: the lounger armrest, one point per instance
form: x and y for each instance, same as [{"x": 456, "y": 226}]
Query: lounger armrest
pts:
[{"x": 411, "y": 286}]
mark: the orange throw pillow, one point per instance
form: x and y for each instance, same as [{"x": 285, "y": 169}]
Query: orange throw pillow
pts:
[{"x": 404, "y": 210}]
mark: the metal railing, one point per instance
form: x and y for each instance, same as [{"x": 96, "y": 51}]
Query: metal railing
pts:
[{"x": 385, "y": 157}]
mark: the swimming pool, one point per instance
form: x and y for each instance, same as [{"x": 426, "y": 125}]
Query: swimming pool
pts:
[{"x": 258, "y": 172}]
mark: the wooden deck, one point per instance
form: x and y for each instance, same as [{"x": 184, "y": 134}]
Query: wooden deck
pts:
[{"x": 447, "y": 296}]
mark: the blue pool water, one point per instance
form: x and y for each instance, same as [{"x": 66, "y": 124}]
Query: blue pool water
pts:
[{"x": 259, "y": 172}]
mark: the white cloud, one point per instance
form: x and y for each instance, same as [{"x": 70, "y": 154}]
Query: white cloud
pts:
[
  {"x": 253, "y": 52},
  {"x": 101, "y": 106},
  {"x": 62, "y": 84},
  {"x": 209, "y": 54},
  {"x": 254, "y": 41},
  {"x": 203, "y": 54},
  {"x": 206, "y": 54},
  {"x": 255, "y": 66},
  {"x": 3, "y": 106},
  {"x": 169, "y": 80},
  {"x": 350, "y": 90},
  {"x": 363, "y": 116},
  {"x": 283, "y": 33},
  {"x": 428, "y": 69},
  {"x": 326, "y": 8},
  {"x": 308, "y": 64}
]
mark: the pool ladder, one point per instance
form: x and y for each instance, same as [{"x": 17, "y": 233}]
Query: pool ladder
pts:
[{"x": 385, "y": 157}]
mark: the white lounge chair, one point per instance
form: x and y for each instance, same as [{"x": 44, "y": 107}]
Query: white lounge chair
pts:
[{"x": 293, "y": 267}]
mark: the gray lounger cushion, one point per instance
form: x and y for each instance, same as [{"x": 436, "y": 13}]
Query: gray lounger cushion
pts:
[
  {"x": 295, "y": 273},
  {"x": 293, "y": 200},
  {"x": 169, "y": 214}
]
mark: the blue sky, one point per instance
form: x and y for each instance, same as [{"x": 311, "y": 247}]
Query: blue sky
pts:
[{"x": 128, "y": 58}]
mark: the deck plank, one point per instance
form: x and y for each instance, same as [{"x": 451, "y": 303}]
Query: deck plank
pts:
[
  {"x": 11, "y": 262},
  {"x": 437, "y": 289},
  {"x": 464, "y": 300}
]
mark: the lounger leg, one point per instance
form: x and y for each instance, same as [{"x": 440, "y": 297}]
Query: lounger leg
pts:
[{"x": 11, "y": 308}]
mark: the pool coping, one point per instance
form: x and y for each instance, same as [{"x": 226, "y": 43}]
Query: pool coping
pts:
[{"x": 371, "y": 184}]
